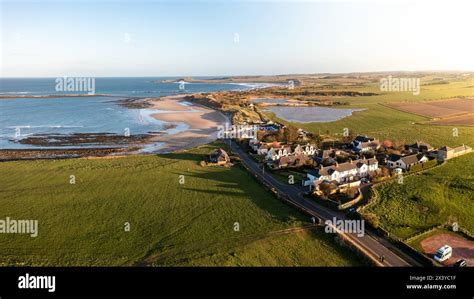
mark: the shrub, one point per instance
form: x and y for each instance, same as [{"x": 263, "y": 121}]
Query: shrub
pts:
[{"x": 372, "y": 219}]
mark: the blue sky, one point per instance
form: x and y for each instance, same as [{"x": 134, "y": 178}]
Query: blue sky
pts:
[{"x": 174, "y": 38}]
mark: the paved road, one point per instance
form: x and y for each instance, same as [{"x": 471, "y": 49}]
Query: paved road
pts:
[{"x": 372, "y": 245}]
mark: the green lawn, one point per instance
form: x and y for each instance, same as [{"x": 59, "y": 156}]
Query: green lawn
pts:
[
  {"x": 83, "y": 223},
  {"x": 295, "y": 249},
  {"x": 429, "y": 199}
]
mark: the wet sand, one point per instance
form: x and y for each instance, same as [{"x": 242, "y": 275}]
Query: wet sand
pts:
[{"x": 202, "y": 123}]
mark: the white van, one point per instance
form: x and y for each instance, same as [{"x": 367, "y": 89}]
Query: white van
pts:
[{"x": 443, "y": 253}]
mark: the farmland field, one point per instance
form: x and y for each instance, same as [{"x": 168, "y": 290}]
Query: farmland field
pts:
[
  {"x": 461, "y": 120},
  {"x": 171, "y": 221},
  {"x": 442, "y": 108},
  {"x": 429, "y": 199},
  {"x": 383, "y": 121}
]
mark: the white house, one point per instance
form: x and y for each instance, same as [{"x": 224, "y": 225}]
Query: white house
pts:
[
  {"x": 406, "y": 162},
  {"x": 310, "y": 150},
  {"x": 276, "y": 153},
  {"x": 262, "y": 149},
  {"x": 360, "y": 146},
  {"x": 307, "y": 149},
  {"x": 344, "y": 172}
]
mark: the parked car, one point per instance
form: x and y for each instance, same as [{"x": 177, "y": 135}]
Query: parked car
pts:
[
  {"x": 351, "y": 210},
  {"x": 460, "y": 263},
  {"x": 443, "y": 253}
]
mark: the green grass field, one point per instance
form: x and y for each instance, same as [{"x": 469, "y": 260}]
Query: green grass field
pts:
[
  {"x": 170, "y": 223},
  {"x": 383, "y": 122},
  {"x": 429, "y": 199}
]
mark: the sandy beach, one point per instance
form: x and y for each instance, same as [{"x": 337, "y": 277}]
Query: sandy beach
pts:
[{"x": 202, "y": 123}]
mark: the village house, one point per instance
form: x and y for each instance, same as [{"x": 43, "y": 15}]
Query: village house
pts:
[
  {"x": 302, "y": 134},
  {"x": 344, "y": 172},
  {"x": 270, "y": 127},
  {"x": 254, "y": 144},
  {"x": 220, "y": 157},
  {"x": 262, "y": 149},
  {"x": 293, "y": 160},
  {"x": 361, "y": 146},
  {"x": 282, "y": 157},
  {"x": 307, "y": 149},
  {"x": 363, "y": 138},
  {"x": 328, "y": 156},
  {"x": 405, "y": 162},
  {"x": 276, "y": 153},
  {"x": 420, "y": 147},
  {"x": 447, "y": 152}
]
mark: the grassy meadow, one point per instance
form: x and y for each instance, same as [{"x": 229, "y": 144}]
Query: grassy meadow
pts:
[
  {"x": 428, "y": 199},
  {"x": 384, "y": 122},
  {"x": 170, "y": 223}
]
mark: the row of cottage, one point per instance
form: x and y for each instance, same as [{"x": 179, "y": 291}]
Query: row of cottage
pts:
[{"x": 277, "y": 156}]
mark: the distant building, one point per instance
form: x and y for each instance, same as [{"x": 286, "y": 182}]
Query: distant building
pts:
[
  {"x": 328, "y": 156},
  {"x": 360, "y": 146},
  {"x": 262, "y": 149},
  {"x": 405, "y": 162},
  {"x": 254, "y": 144},
  {"x": 270, "y": 127},
  {"x": 220, "y": 157},
  {"x": 363, "y": 138},
  {"x": 420, "y": 147},
  {"x": 293, "y": 160},
  {"x": 447, "y": 152}
]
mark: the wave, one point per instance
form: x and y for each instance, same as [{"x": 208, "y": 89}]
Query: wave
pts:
[
  {"x": 257, "y": 85},
  {"x": 146, "y": 91},
  {"x": 44, "y": 126},
  {"x": 16, "y": 92}
]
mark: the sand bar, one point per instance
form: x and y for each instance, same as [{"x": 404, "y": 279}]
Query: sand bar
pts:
[{"x": 203, "y": 123}]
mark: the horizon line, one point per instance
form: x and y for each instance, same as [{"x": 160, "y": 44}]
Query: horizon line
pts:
[{"x": 243, "y": 75}]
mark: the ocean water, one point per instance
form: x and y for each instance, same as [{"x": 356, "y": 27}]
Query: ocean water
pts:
[
  {"x": 129, "y": 87},
  {"x": 96, "y": 114}
]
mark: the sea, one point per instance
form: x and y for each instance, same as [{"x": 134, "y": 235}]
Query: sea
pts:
[{"x": 27, "y": 115}]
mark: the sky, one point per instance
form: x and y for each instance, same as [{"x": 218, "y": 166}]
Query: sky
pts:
[{"x": 217, "y": 38}]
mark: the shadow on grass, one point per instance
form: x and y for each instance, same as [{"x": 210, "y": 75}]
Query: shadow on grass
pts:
[
  {"x": 330, "y": 238},
  {"x": 242, "y": 183},
  {"x": 183, "y": 156},
  {"x": 197, "y": 154}
]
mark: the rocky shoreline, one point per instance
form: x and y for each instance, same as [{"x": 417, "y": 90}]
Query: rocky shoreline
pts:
[{"x": 35, "y": 154}]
